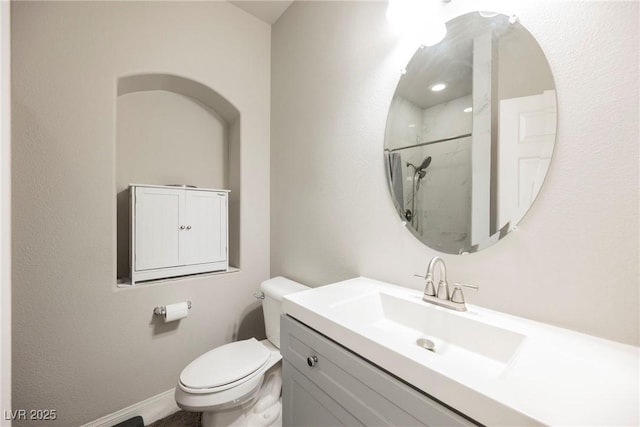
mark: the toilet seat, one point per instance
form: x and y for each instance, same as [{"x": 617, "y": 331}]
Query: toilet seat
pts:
[
  {"x": 229, "y": 395},
  {"x": 225, "y": 367}
]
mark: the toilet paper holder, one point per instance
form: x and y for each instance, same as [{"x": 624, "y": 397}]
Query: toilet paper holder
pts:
[{"x": 162, "y": 310}]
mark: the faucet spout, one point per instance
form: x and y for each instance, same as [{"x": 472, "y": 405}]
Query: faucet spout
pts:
[
  {"x": 443, "y": 286},
  {"x": 441, "y": 297},
  {"x": 432, "y": 265}
]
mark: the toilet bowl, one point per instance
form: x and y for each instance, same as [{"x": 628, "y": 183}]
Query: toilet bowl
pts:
[{"x": 239, "y": 384}]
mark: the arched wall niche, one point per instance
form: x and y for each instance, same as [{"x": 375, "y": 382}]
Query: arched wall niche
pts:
[
  {"x": 174, "y": 130},
  {"x": 179, "y": 85}
]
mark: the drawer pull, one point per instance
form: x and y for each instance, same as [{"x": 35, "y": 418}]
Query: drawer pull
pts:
[{"x": 312, "y": 360}]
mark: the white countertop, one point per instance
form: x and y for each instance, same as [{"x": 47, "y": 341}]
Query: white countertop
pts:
[{"x": 557, "y": 376}]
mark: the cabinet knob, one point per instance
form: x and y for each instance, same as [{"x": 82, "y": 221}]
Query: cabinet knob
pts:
[
  {"x": 312, "y": 360},
  {"x": 188, "y": 227},
  {"x": 182, "y": 227}
]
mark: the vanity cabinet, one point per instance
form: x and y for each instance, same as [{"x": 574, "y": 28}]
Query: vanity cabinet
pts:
[
  {"x": 325, "y": 384},
  {"x": 177, "y": 231}
]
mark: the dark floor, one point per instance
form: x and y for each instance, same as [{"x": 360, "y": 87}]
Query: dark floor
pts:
[{"x": 179, "y": 419}]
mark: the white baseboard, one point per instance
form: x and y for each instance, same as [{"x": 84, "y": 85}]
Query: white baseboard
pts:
[{"x": 151, "y": 410}]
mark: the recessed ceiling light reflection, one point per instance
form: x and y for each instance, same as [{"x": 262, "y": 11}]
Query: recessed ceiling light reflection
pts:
[
  {"x": 468, "y": 110},
  {"x": 438, "y": 87}
]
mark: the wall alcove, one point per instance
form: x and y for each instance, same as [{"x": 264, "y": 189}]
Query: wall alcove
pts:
[{"x": 174, "y": 130}]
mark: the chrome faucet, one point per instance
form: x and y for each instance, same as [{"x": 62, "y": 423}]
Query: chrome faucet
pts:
[
  {"x": 443, "y": 286},
  {"x": 442, "y": 297}
]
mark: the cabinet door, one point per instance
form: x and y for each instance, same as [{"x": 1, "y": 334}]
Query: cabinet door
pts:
[
  {"x": 305, "y": 404},
  {"x": 205, "y": 237},
  {"x": 157, "y": 227},
  {"x": 348, "y": 388}
]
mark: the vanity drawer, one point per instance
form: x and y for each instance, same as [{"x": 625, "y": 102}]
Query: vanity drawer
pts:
[{"x": 342, "y": 382}]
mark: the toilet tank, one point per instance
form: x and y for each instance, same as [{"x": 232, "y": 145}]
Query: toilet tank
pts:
[{"x": 274, "y": 289}]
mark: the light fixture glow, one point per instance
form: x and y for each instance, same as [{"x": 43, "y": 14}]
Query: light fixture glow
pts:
[
  {"x": 417, "y": 19},
  {"x": 431, "y": 33},
  {"x": 438, "y": 87},
  {"x": 468, "y": 110}
]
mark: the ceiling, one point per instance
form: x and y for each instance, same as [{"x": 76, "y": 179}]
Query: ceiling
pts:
[
  {"x": 449, "y": 62},
  {"x": 266, "y": 10}
]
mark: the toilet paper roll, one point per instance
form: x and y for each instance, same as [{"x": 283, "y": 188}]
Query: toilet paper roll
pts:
[{"x": 176, "y": 311}]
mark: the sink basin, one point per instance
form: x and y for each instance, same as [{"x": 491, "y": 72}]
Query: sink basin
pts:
[
  {"x": 496, "y": 368},
  {"x": 399, "y": 321}
]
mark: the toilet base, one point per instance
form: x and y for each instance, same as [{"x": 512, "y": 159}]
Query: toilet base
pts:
[{"x": 263, "y": 411}]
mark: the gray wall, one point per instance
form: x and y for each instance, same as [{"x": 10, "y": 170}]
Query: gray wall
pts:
[
  {"x": 81, "y": 345},
  {"x": 574, "y": 262}
]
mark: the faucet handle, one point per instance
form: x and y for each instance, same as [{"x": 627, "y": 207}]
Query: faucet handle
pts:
[
  {"x": 457, "y": 295},
  {"x": 467, "y": 285},
  {"x": 429, "y": 288}
]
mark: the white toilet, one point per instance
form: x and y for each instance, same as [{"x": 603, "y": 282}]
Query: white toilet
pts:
[{"x": 239, "y": 384}]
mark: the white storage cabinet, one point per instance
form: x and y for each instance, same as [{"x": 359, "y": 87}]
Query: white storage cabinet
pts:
[{"x": 177, "y": 231}]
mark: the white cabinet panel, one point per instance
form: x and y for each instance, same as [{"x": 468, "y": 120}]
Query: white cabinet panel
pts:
[
  {"x": 206, "y": 215},
  {"x": 177, "y": 231},
  {"x": 157, "y": 232}
]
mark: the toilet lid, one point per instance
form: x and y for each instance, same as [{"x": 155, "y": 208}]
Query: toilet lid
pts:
[{"x": 226, "y": 364}]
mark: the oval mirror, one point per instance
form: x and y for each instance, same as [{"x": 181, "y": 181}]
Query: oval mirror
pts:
[{"x": 470, "y": 133}]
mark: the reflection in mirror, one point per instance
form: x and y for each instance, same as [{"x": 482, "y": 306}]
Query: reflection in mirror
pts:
[{"x": 470, "y": 133}]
